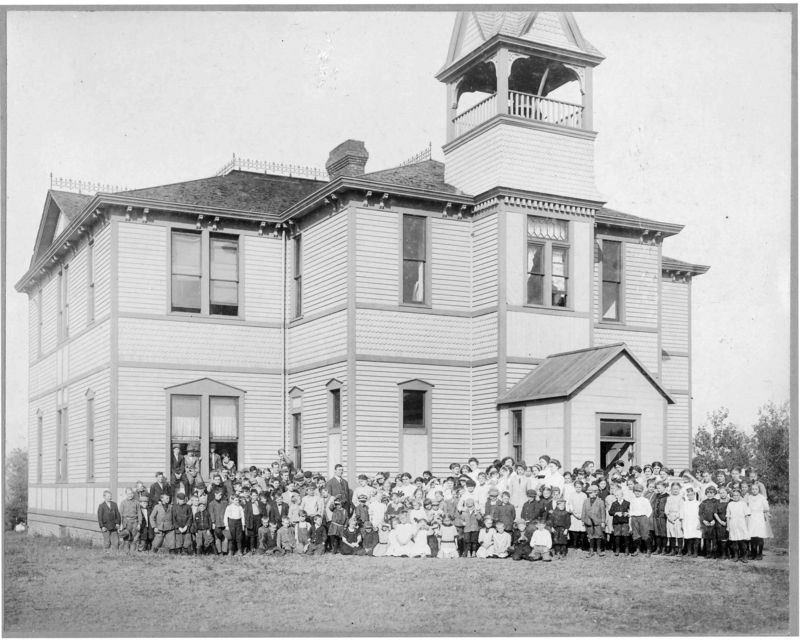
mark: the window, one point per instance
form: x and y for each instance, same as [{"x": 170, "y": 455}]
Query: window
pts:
[
  {"x": 187, "y": 272},
  {"x": 63, "y": 303},
  {"x": 336, "y": 409},
  {"x": 90, "y": 437},
  {"x": 39, "y": 322},
  {"x": 297, "y": 439},
  {"x": 90, "y": 282},
  {"x": 617, "y": 440},
  {"x": 39, "y": 452},
  {"x": 547, "y": 262},
  {"x": 224, "y": 287},
  {"x": 298, "y": 276},
  {"x": 414, "y": 258},
  {"x": 611, "y": 301},
  {"x": 224, "y": 412},
  {"x": 516, "y": 435},
  {"x": 185, "y": 418},
  {"x": 415, "y": 398},
  {"x": 62, "y": 443}
]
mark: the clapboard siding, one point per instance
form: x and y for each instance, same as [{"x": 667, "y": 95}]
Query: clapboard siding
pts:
[
  {"x": 201, "y": 344},
  {"x": 99, "y": 384},
  {"x": 542, "y": 431},
  {"x": 315, "y": 414},
  {"x": 90, "y": 350},
  {"x": 378, "y": 416},
  {"x": 377, "y": 256},
  {"x": 619, "y": 389},
  {"x": 263, "y": 282},
  {"x": 47, "y": 405},
  {"x": 484, "y": 412},
  {"x": 390, "y": 333},
  {"x": 516, "y": 372},
  {"x": 43, "y": 375},
  {"x": 675, "y": 372},
  {"x": 484, "y": 336},
  {"x": 102, "y": 267},
  {"x": 538, "y": 335},
  {"x": 644, "y": 345},
  {"x": 524, "y": 158},
  {"x": 83, "y": 500},
  {"x": 318, "y": 340},
  {"x": 451, "y": 269},
  {"x": 678, "y": 453},
  {"x": 484, "y": 262},
  {"x": 143, "y": 445},
  {"x": 50, "y": 313},
  {"x": 642, "y": 273},
  {"x": 33, "y": 325},
  {"x": 142, "y": 254},
  {"x": 581, "y": 250},
  {"x": 76, "y": 290},
  {"x": 325, "y": 264},
  {"x": 596, "y": 284},
  {"x": 674, "y": 315}
]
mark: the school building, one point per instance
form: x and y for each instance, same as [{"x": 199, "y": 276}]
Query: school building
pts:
[{"x": 398, "y": 319}]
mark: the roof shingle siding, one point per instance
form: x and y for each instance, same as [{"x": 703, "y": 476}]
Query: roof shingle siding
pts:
[
  {"x": 237, "y": 190},
  {"x": 428, "y": 175},
  {"x": 69, "y": 203}
]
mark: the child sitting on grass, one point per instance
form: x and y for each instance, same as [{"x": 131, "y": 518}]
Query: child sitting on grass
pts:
[
  {"x": 286, "y": 537},
  {"x": 541, "y": 542},
  {"x": 486, "y": 538},
  {"x": 351, "y": 540}
]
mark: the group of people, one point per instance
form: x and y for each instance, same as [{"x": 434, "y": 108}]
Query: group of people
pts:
[{"x": 507, "y": 510}]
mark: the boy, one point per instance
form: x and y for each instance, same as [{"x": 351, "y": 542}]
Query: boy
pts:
[
  {"x": 302, "y": 532},
  {"x": 130, "y": 514},
  {"x": 144, "y": 532},
  {"x": 640, "y": 511},
  {"x": 659, "y": 502},
  {"x": 505, "y": 511},
  {"x": 619, "y": 512},
  {"x": 492, "y": 502},
  {"x": 369, "y": 538},
  {"x": 559, "y": 521},
  {"x": 520, "y": 539},
  {"x": 541, "y": 542},
  {"x": 163, "y": 527},
  {"x": 502, "y": 541},
  {"x": 708, "y": 508},
  {"x": 530, "y": 507},
  {"x": 109, "y": 519},
  {"x": 216, "y": 513},
  {"x": 269, "y": 537},
  {"x": 182, "y": 519},
  {"x": 593, "y": 515},
  {"x": 204, "y": 539},
  {"x": 286, "y": 537},
  {"x": 361, "y": 512},
  {"x": 319, "y": 535}
]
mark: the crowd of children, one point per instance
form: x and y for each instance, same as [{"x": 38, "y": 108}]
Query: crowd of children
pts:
[{"x": 508, "y": 510}]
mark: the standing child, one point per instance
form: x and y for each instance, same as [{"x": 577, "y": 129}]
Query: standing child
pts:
[
  {"x": 182, "y": 519},
  {"x": 674, "y": 512},
  {"x": 708, "y": 523},
  {"x": 336, "y": 526},
  {"x": 109, "y": 519},
  {"x": 302, "y": 531},
  {"x": 131, "y": 516},
  {"x": 640, "y": 513},
  {"x": 724, "y": 549},
  {"x": 145, "y": 532},
  {"x": 361, "y": 512},
  {"x": 560, "y": 521},
  {"x": 659, "y": 501},
  {"x": 575, "y": 501},
  {"x": 541, "y": 542},
  {"x": 203, "y": 538},
  {"x": 593, "y": 516},
  {"x": 758, "y": 524},
  {"x": 737, "y": 516},
  {"x": 619, "y": 510},
  {"x": 472, "y": 525},
  {"x": 691, "y": 522},
  {"x": 447, "y": 539},
  {"x": 233, "y": 519},
  {"x": 163, "y": 527}
]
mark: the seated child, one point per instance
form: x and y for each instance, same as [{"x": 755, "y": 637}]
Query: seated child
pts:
[
  {"x": 541, "y": 542},
  {"x": 317, "y": 537},
  {"x": 486, "y": 538},
  {"x": 286, "y": 537},
  {"x": 420, "y": 548},
  {"x": 501, "y": 542},
  {"x": 351, "y": 540},
  {"x": 520, "y": 540},
  {"x": 560, "y": 521},
  {"x": 264, "y": 534},
  {"x": 383, "y": 540},
  {"x": 369, "y": 538},
  {"x": 403, "y": 537}
]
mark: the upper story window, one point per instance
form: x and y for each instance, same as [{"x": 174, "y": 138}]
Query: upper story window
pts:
[
  {"x": 221, "y": 271},
  {"x": 90, "y": 281},
  {"x": 611, "y": 291},
  {"x": 415, "y": 251},
  {"x": 334, "y": 388},
  {"x": 39, "y": 322},
  {"x": 297, "y": 273},
  {"x": 63, "y": 303},
  {"x": 548, "y": 262}
]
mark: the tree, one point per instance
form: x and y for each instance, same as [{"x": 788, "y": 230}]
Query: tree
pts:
[
  {"x": 16, "y": 506},
  {"x": 771, "y": 450},
  {"x": 720, "y": 444}
]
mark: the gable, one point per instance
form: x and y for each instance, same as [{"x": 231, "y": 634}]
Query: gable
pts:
[
  {"x": 60, "y": 207},
  {"x": 620, "y": 382},
  {"x": 551, "y": 28}
]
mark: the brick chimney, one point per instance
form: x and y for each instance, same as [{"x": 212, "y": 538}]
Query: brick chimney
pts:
[{"x": 347, "y": 159}]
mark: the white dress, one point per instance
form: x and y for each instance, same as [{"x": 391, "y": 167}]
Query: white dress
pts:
[
  {"x": 757, "y": 526},
  {"x": 420, "y": 548},
  {"x": 737, "y": 520},
  {"x": 401, "y": 541},
  {"x": 691, "y": 519},
  {"x": 486, "y": 541}
]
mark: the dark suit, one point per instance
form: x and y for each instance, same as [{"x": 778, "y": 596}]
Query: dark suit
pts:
[
  {"x": 156, "y": 490},
  {"x": 338, "y": 488},
  {"x": 177, "y": 464},
  {"x": 108, "y": 516}
]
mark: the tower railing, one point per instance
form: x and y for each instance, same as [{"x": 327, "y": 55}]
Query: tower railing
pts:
[{"x": 523, "y": 105}]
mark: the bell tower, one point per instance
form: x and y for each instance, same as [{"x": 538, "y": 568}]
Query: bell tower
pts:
[{"x": 519, "y": 104}]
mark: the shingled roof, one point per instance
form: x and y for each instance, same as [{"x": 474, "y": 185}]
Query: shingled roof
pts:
[
  {"x": 70, "y": 204},
  {"x": 673, "y": 264},
  {"x": 428, "y": 175},
  {"x": 618, "y": 218},
  {"x": 237, "y": 190},
  {"x": 563, "y": 374}
]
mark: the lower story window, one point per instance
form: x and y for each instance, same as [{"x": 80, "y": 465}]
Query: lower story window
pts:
[
  {"x": 617, "y": 441},
  {"x": 516, "y": 435},
  {"x": 297, "y": 439}
]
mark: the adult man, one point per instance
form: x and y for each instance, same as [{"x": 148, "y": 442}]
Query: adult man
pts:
[
  {"x": 214, "y": 459},
  {"x": 158, "y": 488},
  {"x": 177, "y": 463},
  {"x": 337, "y": 487},
  {"x": 109, "y": 520}
]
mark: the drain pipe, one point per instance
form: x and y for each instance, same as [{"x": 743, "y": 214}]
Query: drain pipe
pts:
[{"x": 283, "y": 228}]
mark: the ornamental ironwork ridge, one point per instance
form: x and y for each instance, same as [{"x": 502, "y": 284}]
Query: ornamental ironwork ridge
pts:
[
  {"x": 422, "y": 156},
  {"x": 274, "y": 168},
  {"x": 83, "y": 186}
]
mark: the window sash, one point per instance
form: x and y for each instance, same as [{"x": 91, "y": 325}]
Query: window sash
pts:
[
  {"x": 415, "y": 254},
  {"x": 62, "y": 430},
  {"x": 187, "y": 274},
  {"x": 616, "y": 429},
  {"x": 560, "y": 276},
  {"x": 611, "y": 290},
  {"x": 90, "y": 439},
  {"x": 298, "y": 276},
  {"x": 297, "y": 439},
  {"x": 224, "y": 417},
  {"x": 413, "y": 281},
  {"x": 548, "y": 228},
  {"x": 185, "y": 417},
  {"x": 414, "y": 409},
  {"x": 516, "y": 428},
  {"x": 336, "y": 409}
]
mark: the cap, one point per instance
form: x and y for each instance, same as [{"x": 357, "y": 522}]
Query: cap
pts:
[
  {"x": 520, "y": 521},
  {"x": 368, "y": 525},
  {"x": 494, "y": 491},
  {"x": 531, "y": 493},
  {"x": 362, "y": 497}
]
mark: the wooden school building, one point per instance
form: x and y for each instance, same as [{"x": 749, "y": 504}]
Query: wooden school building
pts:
[{"x": 398, "y": 319}]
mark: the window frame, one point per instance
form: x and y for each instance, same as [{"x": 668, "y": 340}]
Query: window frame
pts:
[
  {"x": 296, "y": 412},
  {"x": 90, "y": 440},
  {"x": 90, "y": 281},
  {"x": 635, "y": 418},
  {"x": 39, "y": 444},
  {"x": 517, "y": 444},
  {"x": 297, "y": 276},
  {"x": 601, "y": 239},
  {"x": 427, "y": 406},
  {"x": 63, "y": 303},
  {"x": 334, "y": 388},
  {"x": 230, "y": 238},
  {"x": 39, "y": 321},
  {"x": 427, "y": 262},
  {"x": 205, "y": 271},
  {"x": 547, "y": 262},
  {"x": 62, "y": 444}
]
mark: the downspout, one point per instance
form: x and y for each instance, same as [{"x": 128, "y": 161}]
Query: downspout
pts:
[{"x": 283, "y": 336}]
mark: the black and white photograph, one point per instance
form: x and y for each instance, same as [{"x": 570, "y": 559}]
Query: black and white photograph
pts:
[{"x": 386, "y": 320}]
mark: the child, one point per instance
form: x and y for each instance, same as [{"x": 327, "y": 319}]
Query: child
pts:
[
  {"x": 433, "y": 537},
  {"x": 294, "y": 508},
  {"x": 486, "y": 538},
  {"x": 560, "y": 521},
  {"x": 640, "y": 511},
  {"x": 263, "y": 534},
  {"x": 302, "y": 531},
  {"x": 472, "y": 526},
  {"x": 286, "y": 537},
  {"x": 395, "y": 507},
  {"x": 421, "y": 549},
  {"x": 269, "y": 540},
  {"x": 161, "y": 522},
  {"x": 109, "y": 519},
  {"x": 673, "y": 509},
  {"x": 182, "y": 519},
  {"x": 448, "y": 547},
  {"x": 501, "y": 541},
  {"x": 691, "y": 522},
  {"x": 383, "y": 540},
  {"x": 233, "y": 519},
  {"x": 336, "y": 526},
  {"x": 216, "y": 511},
  {"x": 317, "y": 537},
  {"x": 520, "y": 540},
  {"x": 130, "y": 515},
  {"x": 758, "y": 524},
  {"x": 724, "y": 549},
  {"x": 492, "y": 502},
  {"x": 145, "y": 532},
  {"x": 706, "y": 511},
  {"x": 659, "y": 502},
  {"x": 541, "y": 542},
  {"x": 369, "y": 538},
  {"x": 737, "y": 516},
  {"x": 403, "y": 536},
  {"x": 593, "y": 516},
  {"x": 577, "y": 530},
  {"x": 620, "y": 513},
  {"x": 361, "y": 512},
  {"x": 530, "y": 507},
  {"x": 351, "y": 540}
]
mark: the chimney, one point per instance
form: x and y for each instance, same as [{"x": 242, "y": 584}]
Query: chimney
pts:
[{"x": 347, "y": 159}]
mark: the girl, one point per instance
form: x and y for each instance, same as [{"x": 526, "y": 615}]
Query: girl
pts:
[
  {"x": 351, "y": 540},
  {"x": 737, "y": 516},
  {"x": 448, "y": 547},
  {"x": 485, "y": 539},
  {"x": 403, "y": 537},
  {"x": 691, "y": 522},
  {"x": 758, "y": 524},
  {"x": 724, "y": 549},
  {"x": 418, "y": 512},
  {"x": 577, "y": 530},
  {"x": 419, "y": 545},
  {"x": 560, "y": 521},
  {"x": 377, "y": 508},
  {"x": 336, "y": 525},
  {"x": 383, "y": 540},
  {"x": 673, "y": 509}
]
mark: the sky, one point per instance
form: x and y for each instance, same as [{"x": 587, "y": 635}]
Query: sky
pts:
[{"x": 692, "y": 109}]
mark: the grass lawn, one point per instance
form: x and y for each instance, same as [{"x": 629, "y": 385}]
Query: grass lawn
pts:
[{"x": 58, "y": 587}]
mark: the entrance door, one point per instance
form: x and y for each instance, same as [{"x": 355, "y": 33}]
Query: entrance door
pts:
[{"x": 617, "y": 441}]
